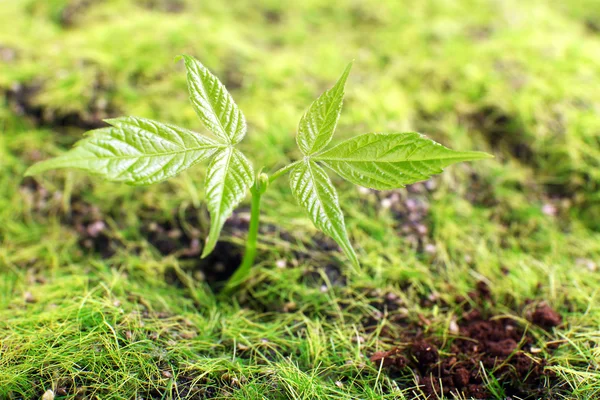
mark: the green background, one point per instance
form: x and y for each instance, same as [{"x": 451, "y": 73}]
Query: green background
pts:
[{"x": 517, "y": 79}]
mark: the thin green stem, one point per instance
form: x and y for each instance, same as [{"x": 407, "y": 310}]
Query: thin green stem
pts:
[
  {"x": 259, "y": 187},
  {"x": 282, "y": 171},
  {"x": 243, "y": 270}
]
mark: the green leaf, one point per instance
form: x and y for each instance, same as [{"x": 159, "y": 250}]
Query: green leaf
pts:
[
  {"x": 319, "y": 121},
  {"x": 134, "y": 150},
  {"x": 314, "y": 192},
  {"x": 391, "y": 160},
  {"x": 229, "y": 177},
  {"x": 213, "y": 103}
]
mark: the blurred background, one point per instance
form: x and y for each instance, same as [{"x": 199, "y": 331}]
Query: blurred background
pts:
[
  {"x": 518, "y": 79},
  {"x": 515, "y": 79}
]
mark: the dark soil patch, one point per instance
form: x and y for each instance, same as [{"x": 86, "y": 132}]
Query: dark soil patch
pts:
[
  {"x": 86, "y": 219},
  {"x": 363, "y": 16},
  {"x": 545, "y": 316},
  {"x": 410, "y": 210},
  {"x": 483, "y": 346},
  {"x": 319, "y": 276},
  {"x": 182, "y": 235},
  {"x": 64, "y": 13},
  {"x": 233, "y": 78},
  {"x": 319, "y": 252},
  {"x": 40, "y": 200},
  {"x": 168, "y": 6},
  {"x": 391, "y": 307},
  {"x": 21, "y": 98},
  {"x": 272, "y": 16},
  {"x": 69, "y": 15},
  {"x": 504, "y": 132},
  {"x": 481, "y": 32},
  {"x": 481, "y": 192},
  {"x": 592, "y": 26},
  {"x": 507, "y": 135},
  {"x": 91, "y": 225}
]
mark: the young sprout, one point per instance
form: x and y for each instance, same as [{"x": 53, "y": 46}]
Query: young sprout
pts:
[{"x": 140, "y": 151}]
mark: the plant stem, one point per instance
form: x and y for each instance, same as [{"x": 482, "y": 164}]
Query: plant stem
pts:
[
  {"x": 243, "y": 270},
  {"x": 260, "y": 186},
  {"x": 282, "y": 171}
]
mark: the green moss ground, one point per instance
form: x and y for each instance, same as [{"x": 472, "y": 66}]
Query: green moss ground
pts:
[{"x": 517, "y": 79}]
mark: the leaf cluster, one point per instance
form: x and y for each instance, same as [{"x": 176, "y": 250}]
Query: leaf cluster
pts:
[{"x": 139, "y": 151}]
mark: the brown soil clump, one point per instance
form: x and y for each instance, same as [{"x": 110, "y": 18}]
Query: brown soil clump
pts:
[
  {"x": 546, "y": 317},
  {"x": 485, "y": 349}
]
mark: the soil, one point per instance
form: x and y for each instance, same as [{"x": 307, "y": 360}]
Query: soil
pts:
[
  {"x": 498, "y": 344},
  {"x": 482, "y": 345},
  {"x": 178, "y": 236},
  {"x": 86, "y": 219},
  {"x": 481, "y": 192},
  {"x": 503, "y": 131},
  {"x": 21, "y": 98},
  {"x": 545, "y": 316},
  {"x": 592, "y": 26},
  {"x": 182, "y": 235},
  {"x": 92, "y": 227},
  {"x": 333, "y": 276},
  {"x": 410, "y": 210},
  {"x": 72, "y": 10},
  {"x": 505, "y": 134},
  {"x": 168, "y": 6},
  {"x": 272, "y": 16}
]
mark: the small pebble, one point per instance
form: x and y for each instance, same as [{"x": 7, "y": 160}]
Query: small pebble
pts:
[
  {"x": 453, "y": 327},
  {"x": 363, "y": 190},
  {"x": 411, "y": 204},
  {"x": 430, "y": 248},
  {"x": 28, "y": 297},
  {"x": 422, "y": 229},
  {"x": 386, "y": 203},
  {"x": 549, "y": 209},
  {"x": 48, "y": 395},
  {"x": 430, "y": 185},
  {"x": 358, "y": 339},
  {"x": 391, "y": 296},
  {"x": 95, "y": 228}
]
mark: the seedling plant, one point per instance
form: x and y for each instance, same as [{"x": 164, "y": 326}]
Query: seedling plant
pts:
[{"x": 139, "y": 151}]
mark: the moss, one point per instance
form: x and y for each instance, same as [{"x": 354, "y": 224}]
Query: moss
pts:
[{"x": 512, "y": 78}]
